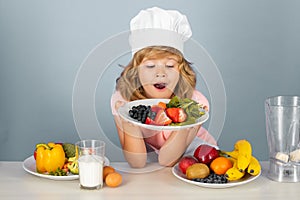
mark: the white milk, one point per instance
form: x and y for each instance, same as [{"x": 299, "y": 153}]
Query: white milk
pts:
[{"x": 90, "y": 171}]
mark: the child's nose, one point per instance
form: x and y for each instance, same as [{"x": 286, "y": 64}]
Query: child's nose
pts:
[
  {"x": 160, "y": 75},
  {"x": 160, "y": 72}
]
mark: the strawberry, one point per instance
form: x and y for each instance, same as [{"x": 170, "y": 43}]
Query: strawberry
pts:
[
  {"x": 162, "y": 118},
  {"x": 149, "y": 121},
  {"x": 176, "y": 114}
]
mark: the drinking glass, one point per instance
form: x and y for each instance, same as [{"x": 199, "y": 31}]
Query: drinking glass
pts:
[{"x": 90, "y": 159}]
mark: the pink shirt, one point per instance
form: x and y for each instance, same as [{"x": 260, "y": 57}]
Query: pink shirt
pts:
[{"x": 159, "y": 139}]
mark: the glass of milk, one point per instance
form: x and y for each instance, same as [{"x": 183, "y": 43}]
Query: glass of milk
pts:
[{"x": 90, "y": 159}]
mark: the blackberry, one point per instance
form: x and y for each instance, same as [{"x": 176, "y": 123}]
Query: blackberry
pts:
[
  {"x": 212, "y": 178},
  {"x": 140, "y": 113},
  {"x": 151, "y": 114}
]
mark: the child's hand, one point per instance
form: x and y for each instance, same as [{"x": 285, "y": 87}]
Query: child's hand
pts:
[{"x": 119, "y": 104}]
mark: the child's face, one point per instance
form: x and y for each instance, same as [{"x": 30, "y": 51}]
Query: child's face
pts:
[{"x": 159, "y": 77}]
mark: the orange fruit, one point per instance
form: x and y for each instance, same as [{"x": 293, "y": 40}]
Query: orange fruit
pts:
[
  {"x": 162, "y": 105},
  {"x": 113, "y": 179},
  {"x": 107, "y": 170},
  {"x": 220, "y": 165}
]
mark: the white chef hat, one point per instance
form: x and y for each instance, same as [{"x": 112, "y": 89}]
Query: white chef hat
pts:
[{"x": 159, "y": 27}]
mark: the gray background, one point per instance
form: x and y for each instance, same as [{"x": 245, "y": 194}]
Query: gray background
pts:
[{"x": 255, "y": 45}]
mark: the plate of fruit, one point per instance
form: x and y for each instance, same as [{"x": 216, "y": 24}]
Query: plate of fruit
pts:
[
  {"x": 213, "y": 168},
  {"x": 56, "y": 161},
  {"x": 164, "y": 114}
]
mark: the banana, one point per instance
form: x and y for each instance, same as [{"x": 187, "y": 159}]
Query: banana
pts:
[
  {"x": 233, "y": 160},
  {"x": 254, "y": 167},
  {"x": 244, "y": 154},
  {"x": 229, "y": 154},
  {"x": 234, "y": 173}
]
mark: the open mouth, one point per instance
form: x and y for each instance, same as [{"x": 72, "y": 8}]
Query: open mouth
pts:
[{"x": 159, "y": 85}]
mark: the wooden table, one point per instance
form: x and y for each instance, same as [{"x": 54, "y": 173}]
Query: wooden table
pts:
[{"x": 15, "y": 183}]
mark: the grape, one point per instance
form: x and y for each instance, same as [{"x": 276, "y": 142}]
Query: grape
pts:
[
  {"x": 213, "y": 178},
  {"x": 141, "y": 112}
]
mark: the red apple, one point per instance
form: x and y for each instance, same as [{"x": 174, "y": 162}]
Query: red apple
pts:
[
  {"x": 185, "y": 162},
  {"x": 205, "y": 153}
]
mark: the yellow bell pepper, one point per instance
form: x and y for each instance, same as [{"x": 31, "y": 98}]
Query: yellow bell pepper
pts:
[{"x": 49, "y": 157}]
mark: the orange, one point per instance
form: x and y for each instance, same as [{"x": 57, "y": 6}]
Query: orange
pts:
[
  {"x": 220, "y": 165},
  {"x": 162, "y": 105},
  {"x": 113, "y": 179},
  {"x": 107, "y": 170}
]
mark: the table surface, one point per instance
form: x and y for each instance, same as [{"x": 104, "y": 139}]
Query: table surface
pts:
[{"x": 16, "y": 183}]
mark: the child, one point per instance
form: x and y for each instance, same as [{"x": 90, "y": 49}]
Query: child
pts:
[{"x": 157, "y": 71}]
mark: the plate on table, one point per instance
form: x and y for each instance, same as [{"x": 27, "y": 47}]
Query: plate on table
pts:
[
  {"x": 124, "y": 113},
  {"x": 246, "y": 179},
  {"x": 30, "y": 167}
]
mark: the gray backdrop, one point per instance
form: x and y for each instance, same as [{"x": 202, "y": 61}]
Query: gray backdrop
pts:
[{"x": 255, "y": 45}]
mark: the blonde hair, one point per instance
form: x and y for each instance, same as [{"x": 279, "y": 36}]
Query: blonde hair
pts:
[{"x": 128, "y": 82}]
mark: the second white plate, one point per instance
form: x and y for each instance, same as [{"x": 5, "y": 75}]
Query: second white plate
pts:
[
  {"x": 124, "y": 113},
  {"x": 248, "y": 178}
]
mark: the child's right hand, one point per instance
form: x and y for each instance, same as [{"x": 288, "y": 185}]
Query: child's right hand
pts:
[{"x": 119, "y": 104}]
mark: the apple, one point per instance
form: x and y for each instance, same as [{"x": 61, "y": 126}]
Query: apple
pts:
[
  {"x": 205, "y": 153},
  {"x": 185, "y": 162}
]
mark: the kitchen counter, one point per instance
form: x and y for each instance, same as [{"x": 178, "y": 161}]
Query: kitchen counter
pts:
[{"x": 16, "y": 183}]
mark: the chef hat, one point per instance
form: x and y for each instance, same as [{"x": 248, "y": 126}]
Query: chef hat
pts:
[{"x": 158, "y": 27}]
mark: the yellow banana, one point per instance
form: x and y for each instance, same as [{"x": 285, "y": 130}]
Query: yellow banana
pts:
[
  {"x": 244, "y": 154},
  {"x": 233, "y": 160},
  {"x": 254, "y": 167},
  {"x": 234, "y": 173},
  {"x": 232, "y": 154}
]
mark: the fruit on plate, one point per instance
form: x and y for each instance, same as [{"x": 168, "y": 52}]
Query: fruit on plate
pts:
[
  {"x": 220, "y": 165},
  {"x": 176, "y": 112},
  {"x": 243, "y": 161},
  {"x": 197, "y": 170},
  {"x": 233, "y": 173},
  {"x": 185, "y": 162},
  {"x": 205, "y": 153},
  {"x": 49, "y": 157},
  {"x": 177, "y": 115},
  {"x": 245, "y": 153},
  {"x": 254, "y": 167},
  {"x": 242, "y": 153},
  {"x": 213, "y": 178},
  {"x": 162, "y": 119}
]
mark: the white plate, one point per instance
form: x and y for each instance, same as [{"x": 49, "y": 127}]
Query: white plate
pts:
[
  {"x": 248, "y": 178},
  {"x": 124, "y": 113},
  {"x": 30, "y": 167}
]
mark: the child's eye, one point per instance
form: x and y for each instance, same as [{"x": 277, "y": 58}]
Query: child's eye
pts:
[
  {"x": 169, "y": 66},
  {"x": 150, "y": 66}
]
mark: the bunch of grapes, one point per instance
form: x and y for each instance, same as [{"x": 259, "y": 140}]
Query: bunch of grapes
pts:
[
  {"x": 141, "y": 112},
  {"x": 213, "y": 178}
]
